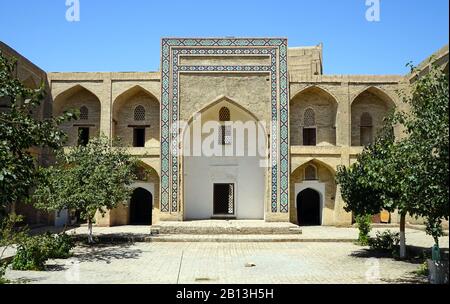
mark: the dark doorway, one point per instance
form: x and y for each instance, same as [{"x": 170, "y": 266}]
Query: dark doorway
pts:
[
  {"x": 309, "y": 137},
  {"x": 308, "y": 208},
  {"x": 141, "y": 206},
  {"x": 223, "y": 199},
  {"x": 83, "y": 136},
  {"x": 139, "y": 137}
]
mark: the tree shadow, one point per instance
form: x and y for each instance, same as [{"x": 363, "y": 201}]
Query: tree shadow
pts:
[
  {"x": 414, "y": 254},
  {"x": 55, "y": 268},
  {"x": 107, "y": 252},
  {"x": 411, "y": 278}
]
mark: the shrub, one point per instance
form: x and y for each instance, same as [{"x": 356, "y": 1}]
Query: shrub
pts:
[
  {"x": 59, "y": 246},
  {"x": 423, "y": 270},
  {"x": 33, "y": 252},
  {"x": 385, "y": 241},
  {"x": 364, "y": 223}
]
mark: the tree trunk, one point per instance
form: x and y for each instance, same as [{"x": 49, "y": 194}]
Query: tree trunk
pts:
[
  {"x": 90, "y": 238},
  {"x": 403, "y": 236}
]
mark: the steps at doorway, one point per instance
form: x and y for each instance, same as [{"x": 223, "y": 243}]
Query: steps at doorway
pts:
[{"x": 231, "y": 227}]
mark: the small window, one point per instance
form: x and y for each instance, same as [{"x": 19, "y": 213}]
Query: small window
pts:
[
  {"x": 225, "y": 135},
  {"x": 84, "y": 113},
  {"x": 366, "y": 129},
  {"x": 83, "y": 136},
  {"x": 139, "y": 113},
  {"x": 309, "y": 118},
  {"x": 139, "y": 137},
  {"x": 310, "y": 173},
  {"x": 224, "y": 114},
  {"x": 309, "y": 136}
]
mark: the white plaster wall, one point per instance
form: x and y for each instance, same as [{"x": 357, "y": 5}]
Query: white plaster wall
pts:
[{"x": 201, "y": 173}]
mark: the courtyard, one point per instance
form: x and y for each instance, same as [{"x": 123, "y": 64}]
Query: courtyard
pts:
[{"x": 203, "y": 262}]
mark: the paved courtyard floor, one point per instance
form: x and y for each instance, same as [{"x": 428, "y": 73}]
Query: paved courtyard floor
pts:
[{"x": 199, "y": 262}]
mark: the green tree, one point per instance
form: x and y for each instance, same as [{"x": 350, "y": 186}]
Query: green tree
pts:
[
  {"x": 411, "y": 174},
  {"x": 425, "y": 150},
  {"x": 91, "y": 178},
  {"x": 20, "y": 132}
]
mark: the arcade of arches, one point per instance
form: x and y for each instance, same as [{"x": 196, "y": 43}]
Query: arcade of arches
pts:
[{"x": 327, "y": 119}]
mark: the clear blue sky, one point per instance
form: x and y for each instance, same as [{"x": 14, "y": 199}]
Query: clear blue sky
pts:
[{"x": 124, "y": 35}]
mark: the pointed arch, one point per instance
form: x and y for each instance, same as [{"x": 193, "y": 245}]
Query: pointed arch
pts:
[
  {"x": 312, "y": 88},
  {"x": 81, "y": 99},
  {"x": 132, "y": 91},
  {"x": 369, "y": 108},
  {"x": 136, "y": 106},
  {"x": 58, "y": 100},
  {"x": 226, "y": 100},
  {"x": 314, "y": 162},
  {"x": 313, "y": 117},
  {"x": 377, "y": 91}
]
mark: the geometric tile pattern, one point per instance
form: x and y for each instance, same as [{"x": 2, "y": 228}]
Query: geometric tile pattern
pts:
[{"x": 170, "y": 162}]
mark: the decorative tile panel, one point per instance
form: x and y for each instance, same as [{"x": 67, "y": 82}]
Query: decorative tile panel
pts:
[{"x": 279, "y": 154}]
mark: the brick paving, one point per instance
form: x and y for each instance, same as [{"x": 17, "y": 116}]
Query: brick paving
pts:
[{"x": 171, "y": 263}]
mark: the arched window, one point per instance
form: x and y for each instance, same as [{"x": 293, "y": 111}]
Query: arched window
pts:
[
  {"x": 84, "y": 113},
  {"x": 366, "y": 129},
  {"x": 139, "y": 113},
  {"x": 309, "y": 119},
  {"x": 225, "y": 133},
  {"x": 310, "y": 173},
  {"x": 309, "y": 129},
  {"x": 224, "y": 114}
]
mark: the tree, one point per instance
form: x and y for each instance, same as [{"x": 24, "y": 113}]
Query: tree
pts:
[
  {"x": 20, "y": 132},
  {"x": 410, "y": 174},
  {"x": 426, "y": 150},
  {"x": 91, "y": 178},
  {"x": 367, "y": 185}
]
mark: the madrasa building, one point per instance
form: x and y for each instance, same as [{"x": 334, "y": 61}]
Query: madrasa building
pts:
[{"x": 229, "y": 128}]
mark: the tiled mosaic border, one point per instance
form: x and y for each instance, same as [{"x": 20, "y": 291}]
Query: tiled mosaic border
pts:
[{"x": 277, "y": 48}]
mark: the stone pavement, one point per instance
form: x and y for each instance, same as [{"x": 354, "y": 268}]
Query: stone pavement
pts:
[{"x": 183, "y": 263}]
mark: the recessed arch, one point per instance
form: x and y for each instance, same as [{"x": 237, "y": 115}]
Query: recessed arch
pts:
[
  {"x": 377, "y": 91},
  {"x": 369, "y": 108},
  {"x": 81, "y": 99},
  {"x": 136, "y": 102},
  {"x": 224, "y": 166},
  {"x": 316, "y": 163},
  {"x": 133, "y": 90},
  {"x": 66, "y": 94},
  {"x": 313, "y": 117},
  {"x": 324, "y": 184},
  {"x": 312, "y": 88},
  {"x": 226, "y": 100}
]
